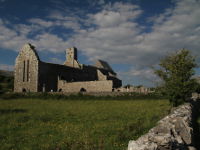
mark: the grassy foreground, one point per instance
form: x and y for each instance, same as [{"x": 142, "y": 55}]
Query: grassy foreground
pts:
[{"x": 35, "y": 124}]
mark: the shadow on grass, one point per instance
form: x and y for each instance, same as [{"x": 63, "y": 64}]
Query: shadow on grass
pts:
[
  {"x": 196, "y": 124},
  {"x": 9, "y": 111},
  {"x": 80, "y": 96}
]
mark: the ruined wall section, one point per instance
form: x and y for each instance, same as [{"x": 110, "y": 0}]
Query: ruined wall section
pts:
[
  {"x": 108, "y": 75},
  {"x": 90, "y": 86},
  {"x": 48, "y": 77},
  {"x": 33, "y": 75},
  {"x": 101, "y": 76},
  {"x": 116, "y": 82},
  {"x": 26, "y": 70},
  {"x": 72, "y": 58},
  {"x": 49, "y": 74},
  {"x": 73, "y": 63}
]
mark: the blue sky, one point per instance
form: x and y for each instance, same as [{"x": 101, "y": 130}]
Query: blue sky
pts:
[{"x": 132, "y": 35}]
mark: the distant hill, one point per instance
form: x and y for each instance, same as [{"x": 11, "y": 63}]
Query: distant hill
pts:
[
  {"x": 6, "y": 81},
  {"x": 7, "y": 73}
]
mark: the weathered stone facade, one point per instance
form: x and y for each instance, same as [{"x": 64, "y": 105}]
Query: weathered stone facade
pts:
[
  {"x": 31, "y": 74},
  {"x": 90, "y": 86},
  {"x": 26, "y": 70}
]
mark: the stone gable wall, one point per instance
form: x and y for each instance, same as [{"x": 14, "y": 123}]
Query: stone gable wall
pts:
[
  {"x": 26, "y": 70},
  {"x": 101, "y": 76}
]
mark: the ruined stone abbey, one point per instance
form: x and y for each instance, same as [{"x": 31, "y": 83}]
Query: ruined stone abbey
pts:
[{"x": 33, "y": 75}]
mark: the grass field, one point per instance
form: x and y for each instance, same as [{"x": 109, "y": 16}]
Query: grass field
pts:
[{"x": 33, "y": 124}]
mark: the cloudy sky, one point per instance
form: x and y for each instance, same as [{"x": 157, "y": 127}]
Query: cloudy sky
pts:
[{"x": 132, "y": 35}]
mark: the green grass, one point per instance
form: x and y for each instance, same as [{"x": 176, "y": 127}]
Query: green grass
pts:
[
  {"x": 80, "y": 96},
  {"x": 35, "y": 124}
]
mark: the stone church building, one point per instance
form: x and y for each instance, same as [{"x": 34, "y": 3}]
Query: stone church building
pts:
[{"x": 33, "y": 75}]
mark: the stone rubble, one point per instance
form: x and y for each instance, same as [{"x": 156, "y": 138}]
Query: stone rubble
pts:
[{"x": 174, "y": 132}]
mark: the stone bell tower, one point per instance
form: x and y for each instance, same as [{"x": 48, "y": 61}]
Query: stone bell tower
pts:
[
  {"x": 71, "y": 54},
  {"x": 72, "y": 57}
]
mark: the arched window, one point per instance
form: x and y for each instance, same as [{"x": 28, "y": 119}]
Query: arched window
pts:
[
  {"x": 27, "y": 71},
  {"x": 24, "y": 65}
]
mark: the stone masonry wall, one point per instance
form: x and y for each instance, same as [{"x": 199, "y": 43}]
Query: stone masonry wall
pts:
[
  {"x": 26, "y": 70},
  {"x": 90, "y": 86},
  {"x": 33, "y": 75},
  {"x": 174, "y": 132}
]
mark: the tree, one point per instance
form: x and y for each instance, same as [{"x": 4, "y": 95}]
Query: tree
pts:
[{"x": 176, "y": 71}]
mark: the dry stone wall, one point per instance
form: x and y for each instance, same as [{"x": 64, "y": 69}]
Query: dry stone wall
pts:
[{"x": 174, "y": 132}]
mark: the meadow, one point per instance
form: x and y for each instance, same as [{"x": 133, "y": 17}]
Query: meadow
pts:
[{"x": 41, "y": 124}]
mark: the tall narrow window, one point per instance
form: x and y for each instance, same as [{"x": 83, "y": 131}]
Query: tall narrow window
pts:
[
  {"x": 27, "y": 72},
  {"x": 24, "y": 65}
]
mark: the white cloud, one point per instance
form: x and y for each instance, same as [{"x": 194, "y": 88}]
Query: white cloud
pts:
[
  {"x": 9, "y": 38},
  {"x": 114, "y": 15},
  {"x": 175, "y": 29},
  {"x": 6, "y": 67},
  {"x": 114, "y": 34},
  {"x": 56, "y": 60},
  {"x": 101, "y": 2},
  {"x": 139, "y": 76},
  {"x": 173, "y": 33},
  {"x": 41, "y": 22},
  {"x": 14, "y": 38},
  {"x": 56, "y": 20},
  {"x": 50, "y": 42}
]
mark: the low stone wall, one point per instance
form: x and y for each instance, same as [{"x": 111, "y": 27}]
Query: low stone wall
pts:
[
  {"x": 89, "y": 86},
  {"x": 174, "y": 132}
]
